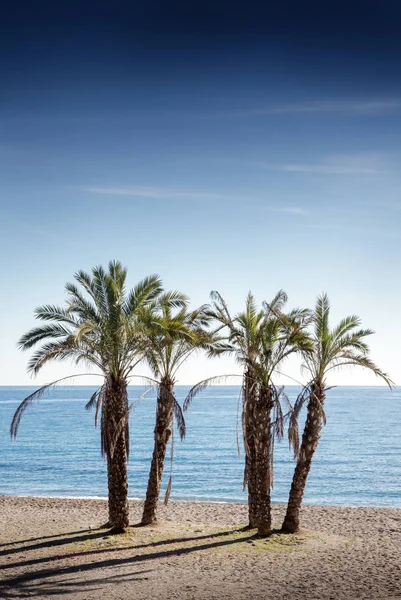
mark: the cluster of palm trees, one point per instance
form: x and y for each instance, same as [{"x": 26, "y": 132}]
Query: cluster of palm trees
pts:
[{"x": 114, "y": 330}]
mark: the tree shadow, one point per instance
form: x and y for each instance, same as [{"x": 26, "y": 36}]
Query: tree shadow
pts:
[
  {"x": 49, "y": 543},
  {"x": 141, "y": 546},
  {"x": 70, "y": 586},
  {"x": 43, "y": 537},
  {"x": 52, "y": 581}
]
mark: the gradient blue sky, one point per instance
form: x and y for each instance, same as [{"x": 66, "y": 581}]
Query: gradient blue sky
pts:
[{"x": 223, "y": 148}]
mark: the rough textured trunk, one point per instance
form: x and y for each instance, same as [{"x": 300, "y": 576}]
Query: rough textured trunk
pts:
[
  {"x": 164, "y": 422},
  {"x": 115, "y": 441},
  {"x": 263, "y": 461},
  {"x": 310, "y": 440},
  {"x": 250, "y": 401}
]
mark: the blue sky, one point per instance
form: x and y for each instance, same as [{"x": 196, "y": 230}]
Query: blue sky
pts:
[{"x": 214, "y": 167}]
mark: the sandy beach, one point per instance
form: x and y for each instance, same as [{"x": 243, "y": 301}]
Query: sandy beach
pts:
[{"x": 54, "y": 548}]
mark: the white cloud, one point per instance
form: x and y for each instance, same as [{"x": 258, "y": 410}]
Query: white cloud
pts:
[
  {"x": 154, "y": 192},
  {"x": 294, "y": 210},
  {"x": 316, "y": 168},
  {"x": 346, "y": 107},
  {"x": 167, "y": 193},
  {"x": 369, "y": 164}
]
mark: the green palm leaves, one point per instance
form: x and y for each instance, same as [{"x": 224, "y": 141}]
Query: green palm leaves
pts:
[
  {"x": 342, "y": 345},
  {"x": 262, "y": 338},
  {"x": 173, "y": 335},
  {"x": 101, "y": 324}
]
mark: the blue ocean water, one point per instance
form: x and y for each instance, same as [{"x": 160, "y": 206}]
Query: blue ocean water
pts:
[{"x": 57, "y": 453}]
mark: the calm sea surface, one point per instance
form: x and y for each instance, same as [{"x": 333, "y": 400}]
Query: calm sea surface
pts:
[{"x": 57, "y": 452}]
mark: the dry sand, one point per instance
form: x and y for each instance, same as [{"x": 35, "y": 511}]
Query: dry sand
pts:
[{"x": 51, "y": 548}]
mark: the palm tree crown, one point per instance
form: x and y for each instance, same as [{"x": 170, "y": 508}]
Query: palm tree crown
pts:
[
  {"x": 173, "y": 336},
  {"x": 340, "y": 346},
  {"x": 101, "y": 326},
  {"x": 102, "y": 329}
]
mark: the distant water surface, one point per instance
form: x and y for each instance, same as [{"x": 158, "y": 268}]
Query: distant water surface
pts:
[{"x": 57, "y": 453}]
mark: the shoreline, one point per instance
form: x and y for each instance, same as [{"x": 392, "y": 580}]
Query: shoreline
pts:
[
  {"x": 204, "y": 501},
  {"x": 185, "y": 385}
]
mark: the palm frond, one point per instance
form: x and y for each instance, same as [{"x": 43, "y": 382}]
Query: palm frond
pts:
[
  {"x": 322, "y": 310},
  {"x": 96, "y": 402},
  {"x": 53, "y": 351},
  {"x": 92, "y": 402},
  {"x": 345, "y": 326},
  {"x": 36, "y": 395},
  {"x": 142, "y": 396},
  {"x": 168, "y": 490},
  {"x": 37, "y": 334},
  {"x": 173, "y": 299},
  {"x": 170, "y": 481},
  {"x": 218, "y": 348},
  {"x": 219, "y": 310},
  {"x": 88, "y": 283},
  {"x": 352, "y": 341},
  {"x": 152, "y": 382},
  {"x": 179, "y": 417},
  {"x": 293, "y": 428},
  {"x": 276, "y": 306},
  {"x": 358, "y": 360},
  {"x": 147, "y": 290},
  {"x": 202, "y": 385},
  {"x": 99, "y": 404},
  {"x": 99, "y": 286},
  {"x": 79, "y": 305},
  {"x": 50, "y": 312}
]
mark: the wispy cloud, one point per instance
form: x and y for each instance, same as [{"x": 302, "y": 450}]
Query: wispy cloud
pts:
[
  {"x": 315, "y": 168},
  {"x": 161, "y": 193},
  {"x": 346, "y": 107},
  {"x": 155, "y": 192},
  {"x": 336, "y": 165},
  {"x": 294, "y": 210}
]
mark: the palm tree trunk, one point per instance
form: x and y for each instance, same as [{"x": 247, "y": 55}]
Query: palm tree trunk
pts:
[
  {"x": 164, "y": 422},
  {"x": 310, "y": 440},
  {"x": 263, "y": 461},
  {"x": 250, "y": 401},
  {"x": 116, "y": 445}
]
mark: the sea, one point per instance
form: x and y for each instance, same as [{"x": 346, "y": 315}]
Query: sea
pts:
[{"x": 57, "y": 451}]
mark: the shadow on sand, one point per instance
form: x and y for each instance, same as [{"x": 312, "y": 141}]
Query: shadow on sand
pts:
[{"x": 43, "y": 575}]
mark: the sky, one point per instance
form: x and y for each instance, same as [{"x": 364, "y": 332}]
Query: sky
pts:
[{"x": 223, "y": 146}]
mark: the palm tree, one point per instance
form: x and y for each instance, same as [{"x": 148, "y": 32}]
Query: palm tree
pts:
[
  {"x": 260, "y": 339},
  {"x": 102, "y": 326},
  {"x": 280, "y": 336},
  {"x": 243, "y": 340},
  {"x": 172, "y": 340},
  {"x": 332, "y": 348}
]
